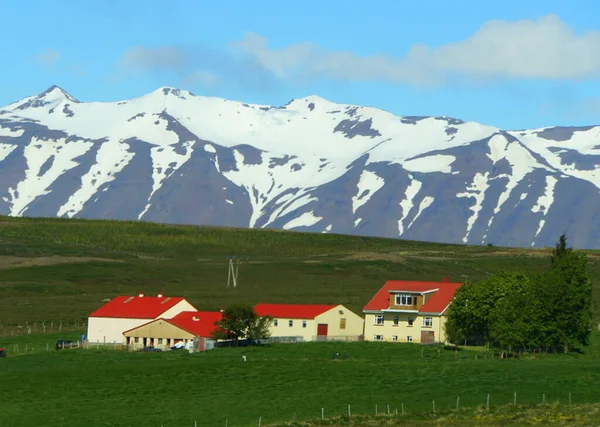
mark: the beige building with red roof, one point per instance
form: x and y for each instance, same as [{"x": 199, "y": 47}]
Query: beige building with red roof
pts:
[
  {"x": 188, "y": 327},
  {"x": 122, "y": 313},
  {"x": 409, "y": 311},
  {"x": 312, "y": 322}
]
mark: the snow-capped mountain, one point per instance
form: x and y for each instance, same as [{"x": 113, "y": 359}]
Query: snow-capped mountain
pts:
[{"x": 311, "y": 165}]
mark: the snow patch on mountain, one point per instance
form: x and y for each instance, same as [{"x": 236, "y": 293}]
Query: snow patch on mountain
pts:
[
  {"x": 436, "y": 163},
  {"x": 425, "y": 203},
  {"x": 408, "y": 202},
  {"x": 46, "y": 161},
  {"x": 112, "y": 157},
  {"x": 544, "y": 202},
  {"x": 5, "y": 150},
  {"x": 368, "y": 184},
  {"x": 307, "y": 219},
  {"x": 476, "y": 191},
  {"x": 165, "y": 162}
]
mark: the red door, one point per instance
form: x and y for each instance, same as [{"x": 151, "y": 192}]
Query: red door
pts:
[{"x": 322, "y": 329}]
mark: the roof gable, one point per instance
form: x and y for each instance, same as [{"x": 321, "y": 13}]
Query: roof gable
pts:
[
  {"x": 138, "y": 307},
  {"x": 199, "y": 323},
  {"x": 292, "y": 311},
  {"x": 437, "y": 303}
]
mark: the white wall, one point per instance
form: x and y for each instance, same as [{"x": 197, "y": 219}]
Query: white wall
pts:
[
  {"x": 180, "y": 307},
  {"x": 354, "y": 322},
  {"x": 283, "y": 328},
  {"x": 110, "y": 329}
]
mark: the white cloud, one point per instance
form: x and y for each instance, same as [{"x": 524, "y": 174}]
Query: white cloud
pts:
[
  {"x": 200, "y": 77},
  {"x": 169, "y": 57},
  {"x": 545, "y": 49},
  {"x": 48, "y": 58}
]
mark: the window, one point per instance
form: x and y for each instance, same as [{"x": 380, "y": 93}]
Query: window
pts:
[
  {"x": 160, "y": 341},
  {"x": 379, "y": 319},
  {"x": 342, "y": 323},
  {"x": 291, "y": 323},
  {"x": 378, "y": 337},
  {"x": 136, "y": 340},
  {"x": 427, "y": 322},
  {"x": 409, "y": 339},
  {"x": 410, "y": 321},
  {"x": 396, "y": 320},
  {"x": 394, "y": 337},
  {"x": 404, "y": 299},
  {"x": 275, "y": 322},
  {"x": 303, "y": 324}
]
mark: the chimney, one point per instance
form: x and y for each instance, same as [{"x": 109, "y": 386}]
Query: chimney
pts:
[
  {"x": 140, "y": 295},
  {"x": 160, "y": 295},
  {"x": 446, "y": 279}
]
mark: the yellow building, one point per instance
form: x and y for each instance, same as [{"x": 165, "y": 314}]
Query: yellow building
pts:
[
  {"x": 309, "y": 322},
  {"x": 409, "y": 311}
]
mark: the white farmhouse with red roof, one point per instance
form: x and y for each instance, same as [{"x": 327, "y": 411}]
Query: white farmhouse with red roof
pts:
[
  {"x": 107, "y": 324},
  {"x": 409, "y": 311},
  {"x": 312, "y": 322}
]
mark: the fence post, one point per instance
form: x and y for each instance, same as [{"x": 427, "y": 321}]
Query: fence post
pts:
[
  {"x": 349, "y": 412},
  {"x": 376, "y": 412},
  {"x": 322, "y": 413},
  {"x": 487, "y": 403},
  {"x": 434, "y": 406},
  {"x": 403, "y": 409},
  {"x": 543, "y": 398},
  {"x": 569, "y": 399},
  {"x": 515, "y": 398},
  {"x": 259, "y": 421},
  {"x": 457, "y": 402},
  {"x": 388, "y": 409}
]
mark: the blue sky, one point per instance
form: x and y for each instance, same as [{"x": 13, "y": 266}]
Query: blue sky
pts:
[{"x": 511, "y": 64}]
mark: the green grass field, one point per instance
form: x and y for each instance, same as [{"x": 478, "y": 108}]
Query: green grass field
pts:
[
  {"x": 57, "y": 271},
  {"x": 278, "y": 383},
  {"x": 61, "y": 270}
]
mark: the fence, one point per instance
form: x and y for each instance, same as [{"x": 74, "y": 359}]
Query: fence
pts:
[
  {"x": 35, "y": 328},
  {"x": 405, "y": 411}
]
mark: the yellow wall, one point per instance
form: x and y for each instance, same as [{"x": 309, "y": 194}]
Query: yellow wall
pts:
[
  {"x": 354, "y": 325},
  {"x": 354, "y": 322},
  {"x": 158, "y": 329},
  {"x": 402, "y": 331},
  {"x": 296, "y": 330}
]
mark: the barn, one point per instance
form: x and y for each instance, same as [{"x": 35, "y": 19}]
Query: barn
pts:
[
  {"x": 123, "y": 313},
  {"x": 191, "y": 329},
  {"x": 312, "y": 322}
]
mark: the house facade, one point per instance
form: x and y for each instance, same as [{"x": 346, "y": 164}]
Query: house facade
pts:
[
  {"x": 191, "y": 329},
  {"x": 312, "y": 322},
  {"x": 409, "y": 311},
  {"x": 107, "y": 324}
]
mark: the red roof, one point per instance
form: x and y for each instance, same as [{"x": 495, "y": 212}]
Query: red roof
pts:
[
  {"x": 199, "y": 323},
  {"x": 292, "y": 311},
  {"x": 144, "y": 307},
  {"x": 437, "y": 303}
]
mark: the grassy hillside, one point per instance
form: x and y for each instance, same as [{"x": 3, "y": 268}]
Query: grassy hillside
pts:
[
  {"x": 61, "y": 270},
  {"x": 277, "y": 383}
]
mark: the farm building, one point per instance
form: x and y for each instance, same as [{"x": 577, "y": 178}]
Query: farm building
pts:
[
  {"x": 306, "y": 322},
  {"x": 107, "y": 324},
  {"x": 409, "y": 311},
  {"x": 189, "y": 327}
]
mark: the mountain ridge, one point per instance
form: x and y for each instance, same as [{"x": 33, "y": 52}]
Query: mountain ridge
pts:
[{"x": 310, "y": 165}]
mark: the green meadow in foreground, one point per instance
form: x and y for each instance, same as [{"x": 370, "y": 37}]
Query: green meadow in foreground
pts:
[
  {"x": 60, "y": 270},
  {"x": 56, "y": 271},
  {"x": 280, "y": 382}
]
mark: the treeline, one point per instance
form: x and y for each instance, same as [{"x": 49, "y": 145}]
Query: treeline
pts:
[{"x": 552, "y": 310}]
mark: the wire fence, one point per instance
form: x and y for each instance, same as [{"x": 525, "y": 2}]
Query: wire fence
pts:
[
  {"x": 36, "y": 328},
  {"x": 405, "y": 410}
]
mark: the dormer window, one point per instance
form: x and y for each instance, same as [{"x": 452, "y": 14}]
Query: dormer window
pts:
[{"x": 405, "y": 299}]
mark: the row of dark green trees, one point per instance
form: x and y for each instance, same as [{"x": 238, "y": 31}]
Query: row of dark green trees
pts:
[{"x": 552, "y": 310}]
